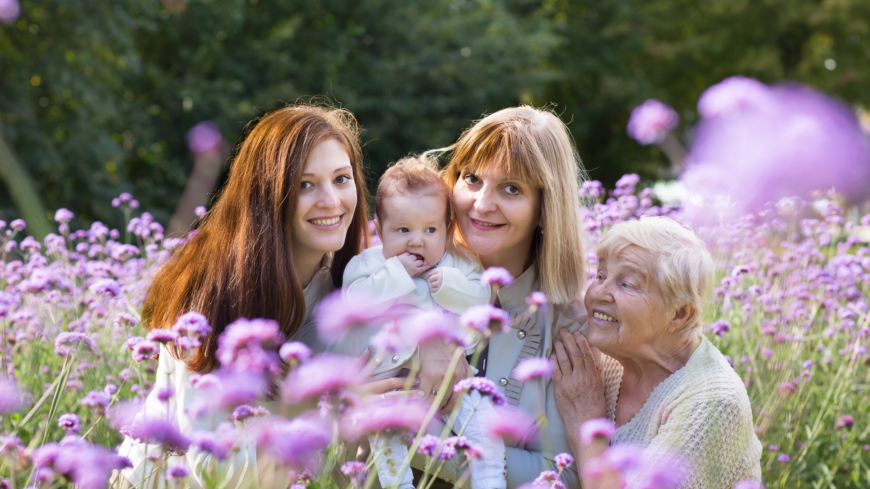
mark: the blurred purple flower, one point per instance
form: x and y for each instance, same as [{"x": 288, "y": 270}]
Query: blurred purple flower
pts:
[
  {"x": 157, "y": 430},
  {"x": 9, "y": 10},
  {"x": 624, "y": 457},
  {"x": 145, "y": 350},
  {"x": 63, "y": 216},
  {"x": 513, "y": 424},
  {"x": 482, "y": 385},
  {"x": 596, "y": 428},
  {"x": 204, "y": 137},
  {"x": 422, "y": 327},
  {"x": 733, "y": 95},
  {"x": 192, "y": 323},
  {"x": 779, "y": 143},
  {"x": 69, "y": 422},
  {"x": 218, "y": 443},
  {"x": 107, "y": 287},
  {"x": 176, "y": 472},
  {"x": 650, "y": 122},
  {"x": 17, "y": 224},
  {"x": 428, "y": 445},
  {"x": 295, "y": 351},
  {"x": 564, "y": 460},
  {"x": 749, "y": 484},
  {"x": 323, "y": 374},
  {"x": 537, "y": 300},
  {"x": 97, "y": 400},
  {"x": 533, "y": 368},
  {"x": 245, "y": 411},
  {"x": 10, "y": 396},
  {"x": 784, "y": 458},
  {"x": 294, "y": 442},
  {"x": 486, "y": 319},
  {"x": 497, "y": 276},
  {"x": 550, "y": 478},
  {"x": 720, "y": 327},
  {"x": 666, "y": 472},
  {"x": 397, "y": 415},
  {"x": 336, "y": 315},
  {"x": 199, "y": 211},
  {"x": 357, "y": 472},
  {"x": 162, "y": 336},
  {"x": 846, "y": 421},
  {"x": 250, "y": 345},
  {"x": 88, "y": 466},
  {"x": 69, "y": 339},
  {"x": 786, "y": 389}
]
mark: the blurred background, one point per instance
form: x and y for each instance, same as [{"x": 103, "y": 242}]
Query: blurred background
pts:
[{"x": 100, "y": 97}]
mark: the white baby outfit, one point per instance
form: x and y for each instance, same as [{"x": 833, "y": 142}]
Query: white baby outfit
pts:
[{"x": 387, "y": 284}]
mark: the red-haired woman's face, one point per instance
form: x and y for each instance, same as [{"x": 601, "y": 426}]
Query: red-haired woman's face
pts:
[{"x": 327, "y": 199}]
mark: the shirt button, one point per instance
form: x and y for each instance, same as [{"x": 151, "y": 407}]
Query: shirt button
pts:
[
  {"x": 521, "y": 334},
  {"x": 389, "y": 451},
  {"x": 502, "y": 381},
  {"x": 390, "y": 462},
  {"x": 377, "y": 362},
  {"x": 393, "y": 471},
  {"x": 395, "y": 358}
]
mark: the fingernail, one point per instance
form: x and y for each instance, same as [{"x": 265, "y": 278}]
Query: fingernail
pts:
[
  {"x": 416, "y": 380},
  {"x": 421, "y": 393}
]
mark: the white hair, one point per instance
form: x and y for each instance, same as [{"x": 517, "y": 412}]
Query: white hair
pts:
[{"x": 683, "y": 266}]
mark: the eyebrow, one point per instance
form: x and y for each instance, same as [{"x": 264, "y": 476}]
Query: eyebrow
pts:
[{"x": 344, "y": 168}]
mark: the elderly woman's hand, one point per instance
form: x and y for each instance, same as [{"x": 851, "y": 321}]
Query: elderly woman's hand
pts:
[{"x": 578, "y": 385}]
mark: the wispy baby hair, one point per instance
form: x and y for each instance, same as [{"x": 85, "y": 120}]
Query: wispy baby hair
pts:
[{"x": 415, "y": 175}]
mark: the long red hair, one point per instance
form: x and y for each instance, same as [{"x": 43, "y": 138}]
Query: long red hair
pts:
[{"x": 239, "y": 263}]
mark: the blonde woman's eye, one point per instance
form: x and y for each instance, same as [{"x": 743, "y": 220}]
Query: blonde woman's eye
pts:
[
  {"x": 512, "y": 190},
  {"x": 402, "y": 230},
  {"x": 430, "y": 230},
  {"x": 471, "y": 179},
  {"x": 306, "y": 185},
  {"x": 342, "y": 179}
]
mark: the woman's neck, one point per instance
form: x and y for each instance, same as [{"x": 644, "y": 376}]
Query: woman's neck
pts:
[
  {"x": 655, "y": 363},
  {"x": 306, "y": 265},
  {"x": 515, "y": 260}
]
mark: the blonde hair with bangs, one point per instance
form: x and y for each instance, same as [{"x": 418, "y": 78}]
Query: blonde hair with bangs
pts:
[
  {"x": 534, "y": 146},
  {"x": 683, "y": 266}
]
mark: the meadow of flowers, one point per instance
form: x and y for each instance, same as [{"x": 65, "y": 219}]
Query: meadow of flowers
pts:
[{"x": 790, "y": 310}]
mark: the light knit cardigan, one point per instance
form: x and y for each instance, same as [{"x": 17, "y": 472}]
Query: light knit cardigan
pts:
[{"x": 701, "y": 411}]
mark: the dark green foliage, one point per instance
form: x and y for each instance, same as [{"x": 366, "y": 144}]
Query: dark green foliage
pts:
[{"x": 121, "y": 82}]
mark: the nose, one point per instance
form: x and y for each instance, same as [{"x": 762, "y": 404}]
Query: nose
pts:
[
  {"x": 415, "y": 240},
  {"x": 484, "y": 200},
  {"x": 327, "y": 197},
  {"x": 601, "y": 291}
]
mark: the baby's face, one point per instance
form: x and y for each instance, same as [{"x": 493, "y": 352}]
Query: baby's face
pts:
[{"x": 414, "y": 223}]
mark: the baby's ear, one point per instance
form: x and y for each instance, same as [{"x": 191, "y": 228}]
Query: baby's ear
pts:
[{"x": 378, "y": 227}]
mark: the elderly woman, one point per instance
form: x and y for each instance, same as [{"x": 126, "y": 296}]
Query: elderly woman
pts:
[{"x": 667, "y": 388}]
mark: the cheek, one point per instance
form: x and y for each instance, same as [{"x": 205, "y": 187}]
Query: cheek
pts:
[
  {"x": 462, "y": 198},
  {"x": 349, "y": 199}
]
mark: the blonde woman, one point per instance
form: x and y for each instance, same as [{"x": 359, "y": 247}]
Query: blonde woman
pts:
[{"x": 514, "y": 177}]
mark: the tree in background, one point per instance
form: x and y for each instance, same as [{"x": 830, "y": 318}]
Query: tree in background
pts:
[{"x": 96, "y": 98}]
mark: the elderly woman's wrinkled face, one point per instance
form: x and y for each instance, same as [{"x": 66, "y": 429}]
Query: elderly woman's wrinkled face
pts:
[{"x": 627, "y": 312}]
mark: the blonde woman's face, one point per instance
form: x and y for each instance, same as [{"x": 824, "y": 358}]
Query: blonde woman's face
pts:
[{"x": 497, "y": 215}]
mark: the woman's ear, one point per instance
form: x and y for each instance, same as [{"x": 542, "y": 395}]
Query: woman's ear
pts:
[{"x": 681, "y": 317}]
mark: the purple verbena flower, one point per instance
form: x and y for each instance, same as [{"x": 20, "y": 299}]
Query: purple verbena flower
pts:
[
  {"x": 69, "y": 339},
  {"x": 650, "y": 122},
  {"x": 69, "y": 422},
  {"x": 106, "y": 287},
  {"x": 537, "y": 300},
  {"x": 513, "y": 424},
  {"x": 482, "y": 385},
  {"x": 496, "y": 276},
  {"x": 245, "y": 411},
  {"x": 846, "y": 421},
  {"x": 486, "y": 319},
  {"x": 63, "y": 216},
  {"x": 321, "y": 375},
  {"x": 428, "y": 445},
  {"x": 596, "y": 428},
  {"x": 533, "y": 368},
  {"x": 10, "y": 396},
  {"x": 294, "y": 352},
  {"x": 564, "y": 460}
]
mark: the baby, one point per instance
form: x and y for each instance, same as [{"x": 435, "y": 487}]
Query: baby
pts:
[{"x": 413, "y": 268}]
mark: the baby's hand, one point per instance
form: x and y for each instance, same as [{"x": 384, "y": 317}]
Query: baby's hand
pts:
[
  {"x": 412, "y": 265},
  {"x": 436, "y": 278}
]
